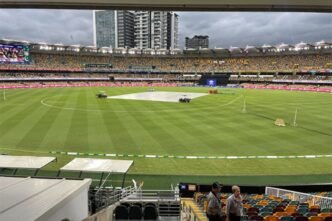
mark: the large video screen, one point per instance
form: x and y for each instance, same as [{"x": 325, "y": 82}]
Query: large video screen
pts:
[
  {"x": 211, "y": 82},
  {"x": 16, "y": 54}
]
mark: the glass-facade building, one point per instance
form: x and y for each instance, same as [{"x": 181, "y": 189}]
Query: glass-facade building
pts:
[{"x": 114, "y": 28}]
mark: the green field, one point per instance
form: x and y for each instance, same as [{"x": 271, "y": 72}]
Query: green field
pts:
[{"x": 38, "y": 121}]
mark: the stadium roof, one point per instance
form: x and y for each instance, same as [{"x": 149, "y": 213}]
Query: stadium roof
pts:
[
  {"x": 255, "y": 50},
  {"x": 214, "y": 5},
  {"x": 24, "y": 162},
  {"x": 36, "y": 199},
  {"x": 98, "y": 165}
]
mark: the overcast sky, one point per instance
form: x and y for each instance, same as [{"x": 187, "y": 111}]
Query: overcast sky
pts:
[{"x": 224, "y": 28}]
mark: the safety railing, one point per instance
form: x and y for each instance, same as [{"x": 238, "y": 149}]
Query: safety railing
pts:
[{"x": 323, "y": 202}]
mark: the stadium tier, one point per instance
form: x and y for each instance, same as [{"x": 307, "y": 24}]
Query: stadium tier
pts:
[
  {"x": 303, "y": 64},
  {"x": 62, "y": 61}
]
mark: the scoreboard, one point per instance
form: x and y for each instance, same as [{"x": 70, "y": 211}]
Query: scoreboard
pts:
[{"x": 212, "y": 80}]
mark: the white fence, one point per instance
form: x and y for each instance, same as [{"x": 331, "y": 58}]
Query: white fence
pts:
[{"x": 324, "y": 202}]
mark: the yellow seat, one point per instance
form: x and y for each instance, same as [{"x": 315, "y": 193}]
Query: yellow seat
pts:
[
  {"x": 271, "y": 218},
  {"x": 325, "y": 214},
  {"x": 290, "y": 210},
  {"x": 205, "y": 205},
  {"x": 315, "y": 207},
  {"x": 316, "y": 218},
  {"x": 280, "y": 214}
]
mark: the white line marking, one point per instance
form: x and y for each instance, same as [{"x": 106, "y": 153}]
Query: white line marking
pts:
[
  {"x": 271, "y": 157},
  {"x": 180, "y": 157},
  {"x": 232, "y": 157},
  {"x": 191, "y": 157}
]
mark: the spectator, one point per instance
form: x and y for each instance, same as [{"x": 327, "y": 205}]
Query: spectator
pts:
[
  {"x": 214, "y": 205},
  {"x": 234, "y": 206}
]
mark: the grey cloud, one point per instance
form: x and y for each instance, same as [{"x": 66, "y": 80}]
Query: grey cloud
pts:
[
  {"x": 53, "y": 26},
  {"x": 241, "y": 29},
  {"x": 224, "y": 28}
]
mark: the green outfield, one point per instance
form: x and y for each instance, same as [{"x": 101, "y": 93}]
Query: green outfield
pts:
[{"x": 230, "y": 136}]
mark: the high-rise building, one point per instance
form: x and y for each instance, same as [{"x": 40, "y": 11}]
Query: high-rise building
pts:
[
  {"x": 126, "y": 29},
  {"x": 172, "y": 30},
  {"x": 156, "y": 29},
  {"x": 140, "y": 29},
  {"x": 198, "y": 41},
  {"x": 113, "y": 28}
]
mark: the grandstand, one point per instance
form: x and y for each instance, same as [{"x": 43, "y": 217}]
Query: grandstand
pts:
[{"x": 301, "y": 64}]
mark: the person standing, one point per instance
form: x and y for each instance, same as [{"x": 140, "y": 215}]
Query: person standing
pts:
[
  {"x": 213, "y": 210},
  {"x": 234, "y": 205}
]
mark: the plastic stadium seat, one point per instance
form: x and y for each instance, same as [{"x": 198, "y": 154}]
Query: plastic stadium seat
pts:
[
  {"x": 294, "y": 203},
  {"x": 302, "y": 210},
  {"x": 281, "y": 206},
  {"x": 138, "y": 204},
  {"x": 325, "y": 214},
  {"x": 286, "y": 218},
  {"x": 259, "y": 207},
  {"x": 290, "y": 210},
  {"x": 316, "y": 218},
  {"x": 150, "y": 204},
  {"x": 247, "y": 205},
  {"x": 301, "y": 218},
  {"x": 253, "y": 209},
  {"x": 280, "y": 214},
  {"x": 271, "y": 218},
  {"x": 309, "y": 214},
  {"x": 135, "y": 212},
  {"x": 264, "y": 214},
  {"x": 267, "y": 209},
  {"x": 286, "y": 200},
  {"x": 303, "y": 207},
  {"x": 125, "y": 204},
  {"x": 296, "y": 214},
  {"x": 256, "y": 218},
  {"x": 278, "y": 209},
  {"x": 292, "y": 206},
  {"x": 121, "y": 212},
  {"x": 315, "y": 207},
  {"x": 328, "y": 218},
  {"x": 316, "y": 210},
  {"x": 150, "y": 213},
  {"x": 205, "y": 205},
  {"x": 326, "y": 210}
]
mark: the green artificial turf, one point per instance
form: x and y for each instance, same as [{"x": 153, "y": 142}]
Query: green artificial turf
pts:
[{"x": 236, "y": 122}]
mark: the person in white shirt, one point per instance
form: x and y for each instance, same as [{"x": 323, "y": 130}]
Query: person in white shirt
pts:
[{"x": 234, "y": 205}]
